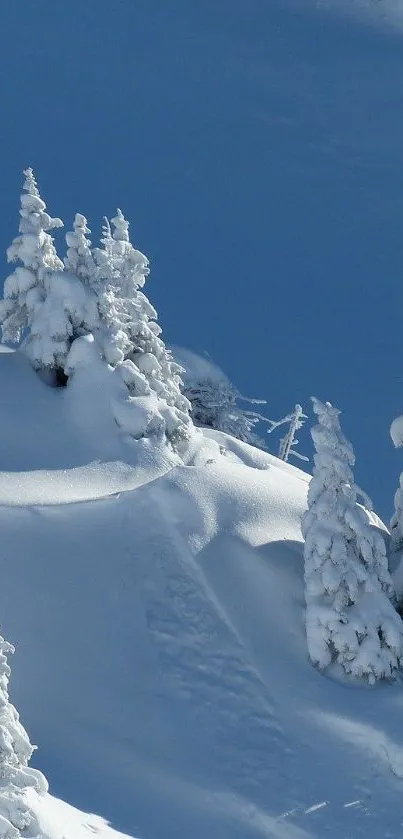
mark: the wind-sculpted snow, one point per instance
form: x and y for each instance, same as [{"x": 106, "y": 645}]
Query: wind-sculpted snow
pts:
[
  {"x": 68, "y": 486},
  {"x": 58, "y": 820},
  {"x": 161, "y": 665},
  {"x": 173, "y": 694}
]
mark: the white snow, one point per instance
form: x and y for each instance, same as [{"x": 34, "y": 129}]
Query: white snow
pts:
[
  {"x": 161, "y": 662},
  {"x": 68, "y": 486}
]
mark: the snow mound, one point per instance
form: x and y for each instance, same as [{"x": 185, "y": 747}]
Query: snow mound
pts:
[
  {"x": 161, "y": 661},
  {"x": 58, "y": 820},
  {"x": 68, "y": 486}
]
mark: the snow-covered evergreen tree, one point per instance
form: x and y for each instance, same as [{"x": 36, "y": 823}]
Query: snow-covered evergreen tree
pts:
[
  {"x": 25, "y": 289},
  {"x": 16, "y": 815},
  {"x": 42, "y": 300},
  {"x": 295, "y": 420},
  {"x": 350, "y": 619},
  {"x": 396, "y": 522},
  {"x": 216, "y": 404},
  {"x": 79, "y": 260},
  {"x": 113, "y": 335},
  {"x": 129, "y": 335}
]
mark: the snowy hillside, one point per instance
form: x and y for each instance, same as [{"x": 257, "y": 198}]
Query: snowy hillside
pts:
[{"x": 161, "y": 661}]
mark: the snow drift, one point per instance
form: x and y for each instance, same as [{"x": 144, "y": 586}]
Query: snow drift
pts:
[{"x": 161, "y": 665}]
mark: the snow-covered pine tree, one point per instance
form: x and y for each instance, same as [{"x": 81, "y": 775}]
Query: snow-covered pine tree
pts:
[
  {"x": 350, "y": 619},
  {"x": 216, "y": 404},
  {"x": 129, "y": 335},
  {"x": 25, "y": 288},
  {"x": 396, "y": 522},
  {"x": 295, "y": 420},
  {"x": 51, "y": 306},
  {"x": 79, "y": 260},
  {"x": 112, "y": 335},
  {"x": 16, "y": 815}
]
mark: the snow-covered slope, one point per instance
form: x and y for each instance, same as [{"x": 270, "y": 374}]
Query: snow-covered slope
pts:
[{"x": 161, "y": 663}]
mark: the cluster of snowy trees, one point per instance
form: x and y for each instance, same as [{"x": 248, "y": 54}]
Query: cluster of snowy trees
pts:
[
  {"x": 70, "y": 312},
  {"x": 351, "y": 615},
  {"x": 216, "y": 403},
  {"x": 88, "y": 309}
]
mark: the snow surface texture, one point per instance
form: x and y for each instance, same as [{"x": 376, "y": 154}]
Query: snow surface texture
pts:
[{"x": 161, "y": 660}]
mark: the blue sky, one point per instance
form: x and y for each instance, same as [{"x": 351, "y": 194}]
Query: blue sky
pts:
[{"x": 257, "y": 148}]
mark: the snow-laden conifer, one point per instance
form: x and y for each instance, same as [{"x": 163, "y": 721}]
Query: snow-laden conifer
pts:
[
  {"x": 396, "y": 522},
  {"x": 79, "y": 260},
  {"x": 16, "y": 815},
  {"x": 129, "y": 335},
  {"x": 216, "y": 403},
  {"x": 26, "y": 288},
  {"x": 350, "y": 619},
  {"x": 47, "y": 304}
]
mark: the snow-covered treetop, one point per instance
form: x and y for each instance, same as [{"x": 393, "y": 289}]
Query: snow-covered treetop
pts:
[
  {"x": 333, "y": 451},
  {"x": 79, "y": 259},
  {"x": 33, "y": 215},
  {"x": 34, "y": 247},
  {"x": 121, "y": 225},
  {"x": 26, "y": 288},
  {"x": 133, "y": 265},
  {"x": 30, "y": 184},
  {"x": 119, "y": 264}
]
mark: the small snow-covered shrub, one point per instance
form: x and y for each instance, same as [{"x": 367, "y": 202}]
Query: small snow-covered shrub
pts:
[{"x": 215, "y": 401}]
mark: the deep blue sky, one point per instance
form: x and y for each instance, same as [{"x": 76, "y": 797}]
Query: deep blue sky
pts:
[{"x": 257, "y": 148}]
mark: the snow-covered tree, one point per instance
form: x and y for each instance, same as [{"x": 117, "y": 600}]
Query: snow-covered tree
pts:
[
  {"x": 295, "y": 420},
  {"x": 114, "y": 308},
  {"x": 216, "y": 402},
  {"x": 218, "y": 405},
  {"x": 129, "y": 335},
  {"x": 25, "y": 289},
  {"x": 350, "y": 616},
  {"x": 396, "y": 523},
  {"x": 16, "y": 815},
  {"x": 43, "y": 303},
  {"x": 79, "y": 260}
]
